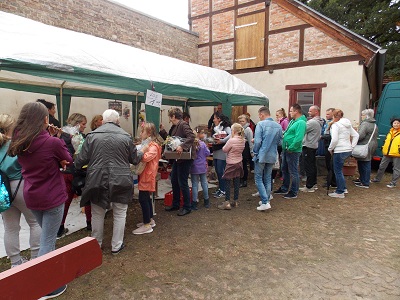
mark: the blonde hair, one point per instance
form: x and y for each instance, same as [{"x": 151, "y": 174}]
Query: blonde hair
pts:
[
  {"x": 150, "y": 128},
  {"x": 236, "y": 127},
  {"x": 337, "y": 113},
  {"x": 75, "y": 119},
  {"x": 6, "y": 124},
  {"x": 282, "y": 112},
  {"x": 246, "y": 117},
  {"x": 94, "y": 121}
]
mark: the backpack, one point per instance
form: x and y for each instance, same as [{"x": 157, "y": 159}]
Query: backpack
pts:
[
  {"x": 321, "y": 145},
  {"x": 6, "y": 196}
]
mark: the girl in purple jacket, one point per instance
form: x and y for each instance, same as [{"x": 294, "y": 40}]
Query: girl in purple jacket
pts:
[
  {"x": 40, "y": 156},
  {"x": 198, "y": 171}
]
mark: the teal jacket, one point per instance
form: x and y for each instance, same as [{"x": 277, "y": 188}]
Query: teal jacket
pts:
[{"x": 294, "y": 134}]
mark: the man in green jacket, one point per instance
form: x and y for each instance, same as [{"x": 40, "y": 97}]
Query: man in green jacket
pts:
[{"x": 291, "y": 150}]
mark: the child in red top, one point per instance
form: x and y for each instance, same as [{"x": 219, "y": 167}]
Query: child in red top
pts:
[
  {"x": 151, "y": 154},
  {"x": 234, "y": 169}
]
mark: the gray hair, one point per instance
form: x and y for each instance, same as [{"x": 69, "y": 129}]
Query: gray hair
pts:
[
  {"x": 368, "y": 113},
  {"x": 111, "y": 115}
]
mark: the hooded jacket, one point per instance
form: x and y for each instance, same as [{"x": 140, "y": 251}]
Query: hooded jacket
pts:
[
  {"x": 107, "y": 151},
  {"x": 313, "y": 132},
  {"x": 341, "y": 131},
  {"x": 147, "y": 179},
  {"x": 294, "y": 134},
  {"x": 365, "y": 131},
  {"x": 44, "y": 186},
  {"x": 392, "y": 143}
]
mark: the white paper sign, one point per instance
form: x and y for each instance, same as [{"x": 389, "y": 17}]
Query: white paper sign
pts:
[{"x": 153, "y": 98}]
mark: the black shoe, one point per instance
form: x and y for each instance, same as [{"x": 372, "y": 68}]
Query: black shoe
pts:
[
  {"x": 194, "y": 205},
  {"x": 171, "y": 208},
  {"x": 356, "y": 180},
  {"x": 280, "y": 192},
  {"x": 207, "y": 203},
  {"x": 61, "y": 232},
  {"x": 290, "y": 195},
  {"x": 183, "y": 212},
  {"x": 88, "y": 226},
  {"x": 55, "y": 293},
  {"x": 243, "y": 184},
  {"x": 115, "y": 252}
]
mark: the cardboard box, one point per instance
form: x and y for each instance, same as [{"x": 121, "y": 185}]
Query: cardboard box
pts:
[{"x": 174, "y": 155}]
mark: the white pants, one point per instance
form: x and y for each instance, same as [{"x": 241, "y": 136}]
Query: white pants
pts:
[
  {"x": 119, "y": 216},
  {"x": 11, "y": 220}
]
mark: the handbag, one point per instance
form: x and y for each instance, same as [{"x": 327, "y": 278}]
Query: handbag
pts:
[
  {"x": 277, "y": 164},
  {"x": 139, "y": 168},
  {"x": 361, "y": 151},
  {"x": 6, "y": 197}
]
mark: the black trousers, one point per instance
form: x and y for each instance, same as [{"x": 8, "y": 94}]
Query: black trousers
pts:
[
  {"x": 329, "y": 166},
  {"x": 236, "y": 185},
  {"x": 310, "y": 166},
  {"x": 147, "y": 206}
]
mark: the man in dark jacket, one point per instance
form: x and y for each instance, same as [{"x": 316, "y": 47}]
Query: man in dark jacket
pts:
[
  {"x": 107, "y": 151},
  {"x": 181, "y": 167}
]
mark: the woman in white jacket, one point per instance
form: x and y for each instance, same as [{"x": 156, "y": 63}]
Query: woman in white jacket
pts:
[{"x": 344, "y": 138}]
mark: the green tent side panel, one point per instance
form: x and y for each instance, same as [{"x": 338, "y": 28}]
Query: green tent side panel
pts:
[
  {"x": 153, "y": 115},
  {"x": 65, "y": 105}
]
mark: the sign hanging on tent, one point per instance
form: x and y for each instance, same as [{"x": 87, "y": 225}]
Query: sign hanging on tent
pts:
[{"x": 153, "y": 98}]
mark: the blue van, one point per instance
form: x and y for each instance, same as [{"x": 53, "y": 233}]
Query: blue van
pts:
[{"x": 388, "y": 107}]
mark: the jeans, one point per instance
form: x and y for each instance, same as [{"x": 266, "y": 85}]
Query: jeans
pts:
[
  {"x": 290, "y": 172},
  {"x": 338, "y": 162},
  {"x": 195, "y": 186},
  {"x": 147, "y": 206},
  {"x": 50, "y": 221},
  {"x": 11, "y": 219},
  {"x": 179, "y": 181},
  {"x": 219, "y": 166},
  {"x": 383, "y": 165},
  {"x": 262, "y": 179},
  {"x": 119, "y": 219},
  {"x": 364, "y": 169},
  {"x": 236, "y": 186},
  {"x": 310, "y": 166}
]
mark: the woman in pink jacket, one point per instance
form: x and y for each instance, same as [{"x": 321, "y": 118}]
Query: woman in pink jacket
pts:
[
  {"x": 151, "y": 154},
  {"x": 234, "y": 169}
]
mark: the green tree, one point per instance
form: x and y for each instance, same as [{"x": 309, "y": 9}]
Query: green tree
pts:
[{"x": 376, "y": 20}]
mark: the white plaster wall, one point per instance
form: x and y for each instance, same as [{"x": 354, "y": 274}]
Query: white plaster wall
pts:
[{"x": 346, "y": 87}]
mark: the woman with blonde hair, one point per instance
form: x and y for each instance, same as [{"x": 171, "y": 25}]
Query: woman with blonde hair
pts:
[
  {"x": 234, "y": 169},
  {"x": 12, "y": 216},
  {"x": 151, "y": 154},
  {"x": 244, "y": 120},
  {"x": 282, "y": 118},
  {"x": 96, "y": 122},
  {"x": 344, "y": 139}
]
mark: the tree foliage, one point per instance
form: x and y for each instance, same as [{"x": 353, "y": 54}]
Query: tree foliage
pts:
[{"x": 376, "y": 20}]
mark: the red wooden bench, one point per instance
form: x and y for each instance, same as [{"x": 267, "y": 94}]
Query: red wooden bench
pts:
[{"x": 46, "y": 273}]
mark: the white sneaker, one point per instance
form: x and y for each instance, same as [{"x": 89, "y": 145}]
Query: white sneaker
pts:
[
  {"x": 142, "y": 230},
  {"x": 152, "y": 224},
  {"x": 263, "y": 207},
  {"x": 271, "y": 197},
  {"x": 346, "y": 191},
  {"x": 256, "y": 194},
  {"x": 336, "y": 195},
  {"x": 307, "y": 190}
]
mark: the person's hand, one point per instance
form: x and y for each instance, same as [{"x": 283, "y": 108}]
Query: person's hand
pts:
[
  {"x": 54, "y": 130},
  {"x": 179, "y": 150},
  {"x": 217, "y": 141},
  {"x": 331, "y": 152},
  {"x": 252, "y": 140},
  {"x": 64, "y": 164}
]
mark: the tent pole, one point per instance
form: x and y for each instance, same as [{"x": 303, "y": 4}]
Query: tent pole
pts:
[
  {"x": 61, "y": 102},
  {"x": 136, "y": 116}
]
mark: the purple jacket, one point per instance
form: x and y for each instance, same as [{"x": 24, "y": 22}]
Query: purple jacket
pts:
[
  {"x": 199, "y": 165},
  {"x": 44, "y": 186}
]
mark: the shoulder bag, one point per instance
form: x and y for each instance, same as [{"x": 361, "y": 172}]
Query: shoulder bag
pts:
[{"x": 361, "y": 151}]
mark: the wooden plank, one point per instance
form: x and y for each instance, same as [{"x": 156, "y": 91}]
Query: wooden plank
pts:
[
  {"x": 250, "y": 41},
  {"x": 46, "y": 273}
]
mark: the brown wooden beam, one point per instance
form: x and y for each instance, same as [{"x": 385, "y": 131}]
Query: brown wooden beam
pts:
[
  {"x": 315, "y": 62},
  {"x": 326, "y": 28},
  {"x": 306, "y": 86},
  {"x": 287, "y": 29},
  {"x": 216, "y": 43}
]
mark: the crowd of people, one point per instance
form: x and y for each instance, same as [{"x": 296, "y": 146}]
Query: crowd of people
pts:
[{"x": 44, "y": 161}]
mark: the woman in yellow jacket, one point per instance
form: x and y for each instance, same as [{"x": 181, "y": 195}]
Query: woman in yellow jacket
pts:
[{"x": 391, "y": 153}]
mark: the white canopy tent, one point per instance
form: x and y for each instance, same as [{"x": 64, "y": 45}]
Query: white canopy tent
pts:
[{"x": 35, "y": 57}]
